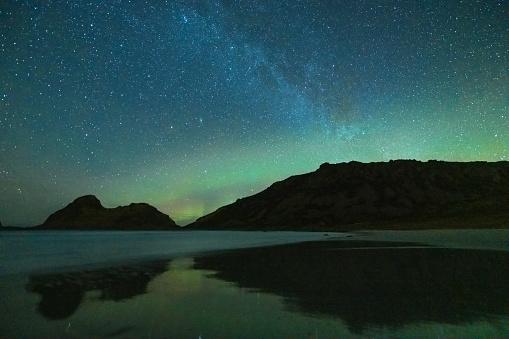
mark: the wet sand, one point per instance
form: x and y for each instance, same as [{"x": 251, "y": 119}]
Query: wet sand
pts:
[
  {"x": 374, "y": 283},
  {"x": 486, "y": 239},
  {"x": 370, "y": 284}
]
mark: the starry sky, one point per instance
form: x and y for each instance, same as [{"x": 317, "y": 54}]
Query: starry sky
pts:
[{"x": 189, "y": 105}]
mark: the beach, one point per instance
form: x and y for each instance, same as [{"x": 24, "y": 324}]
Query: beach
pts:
[{"x": 262, "y": 284}]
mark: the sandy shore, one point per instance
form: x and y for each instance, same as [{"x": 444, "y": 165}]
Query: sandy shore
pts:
[{"x": 487, "y": 239}]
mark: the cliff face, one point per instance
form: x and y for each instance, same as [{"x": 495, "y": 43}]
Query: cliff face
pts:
[
  {"x": 355, "y": 195},
  {"x": 87, "y": 213}
]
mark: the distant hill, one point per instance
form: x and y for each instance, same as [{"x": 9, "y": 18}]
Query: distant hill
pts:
[
  {"x": 9, "y": 228},
  {"x": 401, "y": 194},
  {"x": 87, "y": 213}
]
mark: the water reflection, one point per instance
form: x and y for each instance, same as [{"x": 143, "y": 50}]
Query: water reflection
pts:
[
  {"x": 62, "y": 293},
  {"x": 373, "y": 284},
  {"x": 319, "y": 289}
]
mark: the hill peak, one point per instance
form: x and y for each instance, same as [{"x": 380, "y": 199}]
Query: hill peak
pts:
[
  {"x": 87, "y": 213},
  {"x": 90, "y": 201}
]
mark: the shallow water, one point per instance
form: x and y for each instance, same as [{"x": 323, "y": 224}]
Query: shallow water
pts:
[
  {"x": 224, "y": 287},
  {"x": 41, "y": 251}
]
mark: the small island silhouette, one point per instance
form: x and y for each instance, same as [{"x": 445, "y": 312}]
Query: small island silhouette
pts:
[{"x": 87, "y": 213}]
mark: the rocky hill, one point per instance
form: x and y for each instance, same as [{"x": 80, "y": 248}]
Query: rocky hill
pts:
[
  {"x": 401, "y": 194},
  {"x": 87, "y": 213}
]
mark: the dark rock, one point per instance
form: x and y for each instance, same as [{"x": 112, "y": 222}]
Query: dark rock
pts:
[
  {"x": 358, "y": 195},
  {"x": 62, "y": 293},
  {"x": 87, "y": 213}
]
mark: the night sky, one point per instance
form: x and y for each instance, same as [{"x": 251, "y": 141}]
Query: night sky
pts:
[{"x": 189, "y": 105}]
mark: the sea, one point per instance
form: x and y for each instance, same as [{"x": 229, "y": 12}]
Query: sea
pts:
[
  {"x": 41, "y": 251},
  {"x": 226, "y": 284}
]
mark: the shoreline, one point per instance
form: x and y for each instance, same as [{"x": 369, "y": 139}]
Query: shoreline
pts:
[
  {"x": 497, "y": 221},
  {"x": 87, "y": 249}
]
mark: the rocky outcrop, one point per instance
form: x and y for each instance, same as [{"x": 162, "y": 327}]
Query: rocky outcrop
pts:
[
  {"x": 387, "y": 195},
  {"x": 87, "y": 213}
]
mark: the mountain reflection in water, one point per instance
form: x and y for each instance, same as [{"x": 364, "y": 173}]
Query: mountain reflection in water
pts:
[
  {"x": 62, "y": 293},
  {"x": 373, "y": 283}
]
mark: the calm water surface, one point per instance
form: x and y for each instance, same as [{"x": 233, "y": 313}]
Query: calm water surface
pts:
[{"x": 221, "y": 285}]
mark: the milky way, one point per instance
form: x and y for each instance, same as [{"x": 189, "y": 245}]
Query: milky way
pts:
[{"x": 189, "y": 105}]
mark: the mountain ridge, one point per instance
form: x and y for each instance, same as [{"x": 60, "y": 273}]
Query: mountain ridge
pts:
[{"x": 399, "y": 194}]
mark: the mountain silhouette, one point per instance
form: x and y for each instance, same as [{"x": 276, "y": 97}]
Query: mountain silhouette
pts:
[{"x": 401, "y": 194}]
